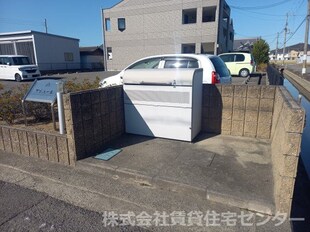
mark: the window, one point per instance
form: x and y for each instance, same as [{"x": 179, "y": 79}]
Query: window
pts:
[
  {"x": 239, "y": 57},
  {"x": 152, "y": 63},
  {"x": 68, "y": 56},
  {"x": 207, "y": 48},
  {"x": 181, "y": 63},
  {"x": 189, "y": 16},
  {"x": 108, "y": 24},
  {"x": 4, "y": 60},
  {"x": 109, "y": 52},
  {"x": 219, "y": 66},
  {"x": 21, "y": 60},
  {"x": 227, "y": 58},
  {"x": 121, "y": 24},
  {"x": 188, "y": 48},
  {"x": 208, "y": 14}
]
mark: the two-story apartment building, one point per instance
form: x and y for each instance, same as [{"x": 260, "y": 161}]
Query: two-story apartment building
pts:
[{"x": 133, "y": 29}]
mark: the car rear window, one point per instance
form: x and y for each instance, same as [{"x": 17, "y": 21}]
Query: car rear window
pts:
[{"x": 219, "y": 66}]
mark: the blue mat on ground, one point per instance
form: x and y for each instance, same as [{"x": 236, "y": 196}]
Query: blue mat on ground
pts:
[{"x": 108, "y": 154}]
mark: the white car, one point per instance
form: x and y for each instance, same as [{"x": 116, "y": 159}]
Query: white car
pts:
[
  {"x": 17, "y": 67},
  {"x": 214, "y": 69}
]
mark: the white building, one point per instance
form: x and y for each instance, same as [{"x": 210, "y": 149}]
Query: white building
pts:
[{"x": 49, "y": 52}]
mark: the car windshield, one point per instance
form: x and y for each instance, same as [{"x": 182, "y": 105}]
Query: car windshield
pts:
[
  {"x": 20, "y": 60},
  {"x": 219, "y": 66}
]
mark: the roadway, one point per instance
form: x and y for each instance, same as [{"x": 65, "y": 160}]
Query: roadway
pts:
[{"x": 28, "y": 210}]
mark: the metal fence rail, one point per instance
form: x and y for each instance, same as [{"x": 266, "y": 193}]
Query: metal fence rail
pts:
[{"x": 275, "y": 77}]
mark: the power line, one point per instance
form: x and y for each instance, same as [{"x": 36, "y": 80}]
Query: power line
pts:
[
  {"x": 265, "y": 14},
  {"x": 297, "y": 29},
  {"x": 268, "y": 35},
  {"x": 259, "y": 7}
]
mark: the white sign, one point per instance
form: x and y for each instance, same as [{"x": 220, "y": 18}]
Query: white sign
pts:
[{"x": 42, "y": 91}]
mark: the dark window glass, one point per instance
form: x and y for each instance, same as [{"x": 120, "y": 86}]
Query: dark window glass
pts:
[
  {"x": 189, "y": 16},
  {"x": 121, "y": 24},
  {"x": 188, "y": 48},
  {"x": 227, "y": 58},
  {"x": 208, "y": 14},
  {"x": 146, "y": 64},
  {"x": 21, "y": 60},
  {"x": 219, "y": 66},
  {"x": 193, "y": 64},
  {"x": 240, "y": 57}
]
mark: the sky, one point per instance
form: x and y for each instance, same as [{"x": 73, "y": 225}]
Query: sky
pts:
[{"x": 82, "y": 19}]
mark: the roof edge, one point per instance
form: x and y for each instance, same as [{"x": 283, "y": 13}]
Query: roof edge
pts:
[{"x": 35, "y": 32}]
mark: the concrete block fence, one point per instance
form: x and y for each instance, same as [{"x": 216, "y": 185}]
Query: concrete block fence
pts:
[
  {"x": 287, "y": 127},
  {"x": 264, "y": 112},
  {"x": 93, "y": 119},
  {"x": 239, "y": 110},
  {"x": 48, "y": 146},
  {"x": 96, "y": 117}
]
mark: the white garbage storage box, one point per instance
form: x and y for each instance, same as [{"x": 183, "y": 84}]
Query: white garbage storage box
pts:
[{"x": 163, "y": 103}]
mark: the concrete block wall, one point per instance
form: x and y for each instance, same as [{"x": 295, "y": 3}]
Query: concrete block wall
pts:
[
  {"x": 28, "y": 142},
  {"x": 287, "y": 128},
  {"x": 93, "y": 119},
  {"x": 239, "y": 110},
  {"x": 265, "y": 112}
]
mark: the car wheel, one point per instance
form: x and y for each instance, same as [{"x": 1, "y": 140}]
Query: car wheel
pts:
[
  {"x": 18, "y": 78},
  {"x": 244, "y": 72}
]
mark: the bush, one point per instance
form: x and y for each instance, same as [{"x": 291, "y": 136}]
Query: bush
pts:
[
  {"x": 261, "y": 52},
  {"x": 10, "y": 104},
  {"x": 75, "y": 86}
]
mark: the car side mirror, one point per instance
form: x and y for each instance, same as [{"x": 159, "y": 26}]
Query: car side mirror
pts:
[{"x": 8, "y": 63}]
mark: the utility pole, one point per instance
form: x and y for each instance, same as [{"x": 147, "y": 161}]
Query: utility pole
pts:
[
  {"x": 304, "y": 66},
  {"x": 45, "y": 24},
  {"x": 277, "y": 47},
  {"x": 284, "y": 44}
]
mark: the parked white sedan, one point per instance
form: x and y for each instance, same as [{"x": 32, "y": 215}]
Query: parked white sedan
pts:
[{"x": 214, "y": 69}]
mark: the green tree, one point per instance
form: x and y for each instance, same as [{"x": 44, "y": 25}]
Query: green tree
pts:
[{"x": 261, "y": 52}]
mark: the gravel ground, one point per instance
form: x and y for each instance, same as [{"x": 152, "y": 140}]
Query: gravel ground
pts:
[{"x": 79, "y": 77}]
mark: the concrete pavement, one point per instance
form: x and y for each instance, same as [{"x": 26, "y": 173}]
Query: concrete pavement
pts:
[
  {"x": 100, "y": 190},
  {"x": 225, "y": 169}
]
